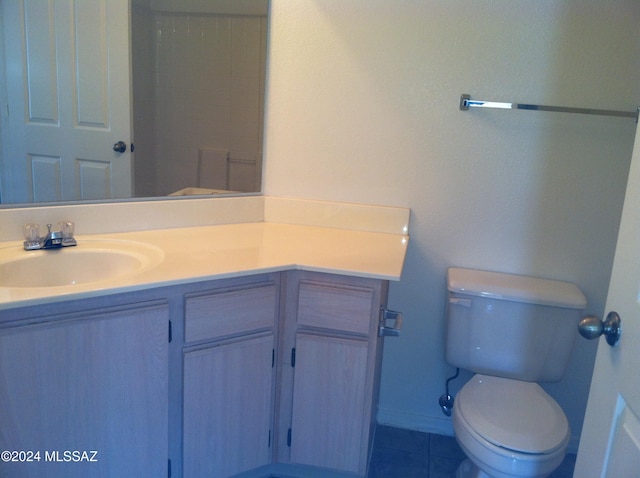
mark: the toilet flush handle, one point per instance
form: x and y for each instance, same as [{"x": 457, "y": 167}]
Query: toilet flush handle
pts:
[{"x": 592, "y": 327}]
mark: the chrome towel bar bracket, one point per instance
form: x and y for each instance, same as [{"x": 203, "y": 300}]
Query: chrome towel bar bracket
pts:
[{"x": 466, "y": 102}]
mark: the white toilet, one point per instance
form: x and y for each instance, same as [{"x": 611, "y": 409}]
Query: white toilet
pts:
[{"x": 512, "y": 331}]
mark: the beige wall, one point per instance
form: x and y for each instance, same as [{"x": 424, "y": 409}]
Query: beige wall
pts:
[{"x": 362, "y": 106}]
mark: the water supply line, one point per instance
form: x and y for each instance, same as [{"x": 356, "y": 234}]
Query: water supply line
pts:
[{"x": 446, "y": 400}]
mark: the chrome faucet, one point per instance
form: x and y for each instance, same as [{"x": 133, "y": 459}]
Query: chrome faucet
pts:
[{"x": 63, "y": 237}]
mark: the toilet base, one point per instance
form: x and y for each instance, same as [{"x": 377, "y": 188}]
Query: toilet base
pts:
[{"x": 468, "y": 470}]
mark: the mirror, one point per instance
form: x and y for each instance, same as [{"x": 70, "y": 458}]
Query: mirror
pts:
[{"x": 190, "y": 104}]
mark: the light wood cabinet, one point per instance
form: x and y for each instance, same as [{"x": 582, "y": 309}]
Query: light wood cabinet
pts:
[
  {"x": 229, "y": 379},
  {"x": 329, "y": 402},
  {"x": 251, "y": 376},
  {"x": 330, "y": 378},
  {"x": 85, "y": 394},
  {"x": 228, "y": 407}
]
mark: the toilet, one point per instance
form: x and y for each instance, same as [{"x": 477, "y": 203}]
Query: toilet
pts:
[{"x": 512, "y": 332}]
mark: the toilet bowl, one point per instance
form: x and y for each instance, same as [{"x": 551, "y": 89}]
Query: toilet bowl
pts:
[{"x": 508, "y": 428}]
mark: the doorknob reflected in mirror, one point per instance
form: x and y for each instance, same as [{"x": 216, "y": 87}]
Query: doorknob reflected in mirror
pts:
[
  {"x": 592, "y": 327},
  {"x": 120, "y": 147}
]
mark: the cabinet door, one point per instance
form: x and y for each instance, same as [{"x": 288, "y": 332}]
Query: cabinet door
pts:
[
  {"x": 88, "y": 396},
  {"x": 329, "y": 404},
  {"x": 227, "y": 407}
]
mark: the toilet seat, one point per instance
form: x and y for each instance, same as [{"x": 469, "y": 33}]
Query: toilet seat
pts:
[{"x": 513, "y": 415}]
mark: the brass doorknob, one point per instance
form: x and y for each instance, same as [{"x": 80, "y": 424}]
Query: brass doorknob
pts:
[{"x": 592, "y": 327}]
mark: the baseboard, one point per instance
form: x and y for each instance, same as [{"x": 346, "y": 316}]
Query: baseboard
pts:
[{"x": 415, "y": 421}]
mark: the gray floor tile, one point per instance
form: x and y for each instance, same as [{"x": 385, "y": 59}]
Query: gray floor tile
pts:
[
  {"x": 399, "y": 453},
  {"x": 401, "y": 439},
  {"x": 565, "y": 470},
  {"x": 441, "y": 467},
  {"x": 390, "y": 463},
  {"x": 446, "y": 447}
]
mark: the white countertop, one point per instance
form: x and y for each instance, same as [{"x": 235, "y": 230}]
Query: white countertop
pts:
[{"x": 190, "y": 254}]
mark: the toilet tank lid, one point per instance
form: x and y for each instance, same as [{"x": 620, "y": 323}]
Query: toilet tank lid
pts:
[{"x": 517, "y": 288}]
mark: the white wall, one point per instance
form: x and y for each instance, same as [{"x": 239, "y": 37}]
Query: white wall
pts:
[{"x": 363, "y": 106}]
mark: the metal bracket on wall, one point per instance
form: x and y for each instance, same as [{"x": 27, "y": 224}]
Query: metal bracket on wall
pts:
[{"x": 389, "y": 315}]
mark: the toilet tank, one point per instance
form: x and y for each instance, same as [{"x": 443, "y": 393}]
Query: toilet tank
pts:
[{"x": 511, "y": 326}]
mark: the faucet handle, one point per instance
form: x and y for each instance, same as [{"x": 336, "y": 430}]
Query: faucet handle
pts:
[
  {"x": 31, "y": 232},
  {"x": 32, "y": 238},
  {"x": 67, "y": 229}
]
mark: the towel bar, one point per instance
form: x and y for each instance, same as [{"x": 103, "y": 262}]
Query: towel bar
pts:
[{"x": 466, "y": 102}]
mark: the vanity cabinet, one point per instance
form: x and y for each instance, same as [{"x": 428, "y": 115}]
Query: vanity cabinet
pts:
[
  {"x": 329, "y": 386},
  {"x": 250, "y": 376},
  {"x": 85, "y": 393},
  {"x": 229, "y": 379}
]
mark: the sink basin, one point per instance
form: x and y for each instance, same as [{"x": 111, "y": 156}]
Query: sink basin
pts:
[{"x": 89, "y": 261}]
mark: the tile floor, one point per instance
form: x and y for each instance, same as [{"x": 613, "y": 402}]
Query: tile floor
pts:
[{"x": 411, "y": 454}]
